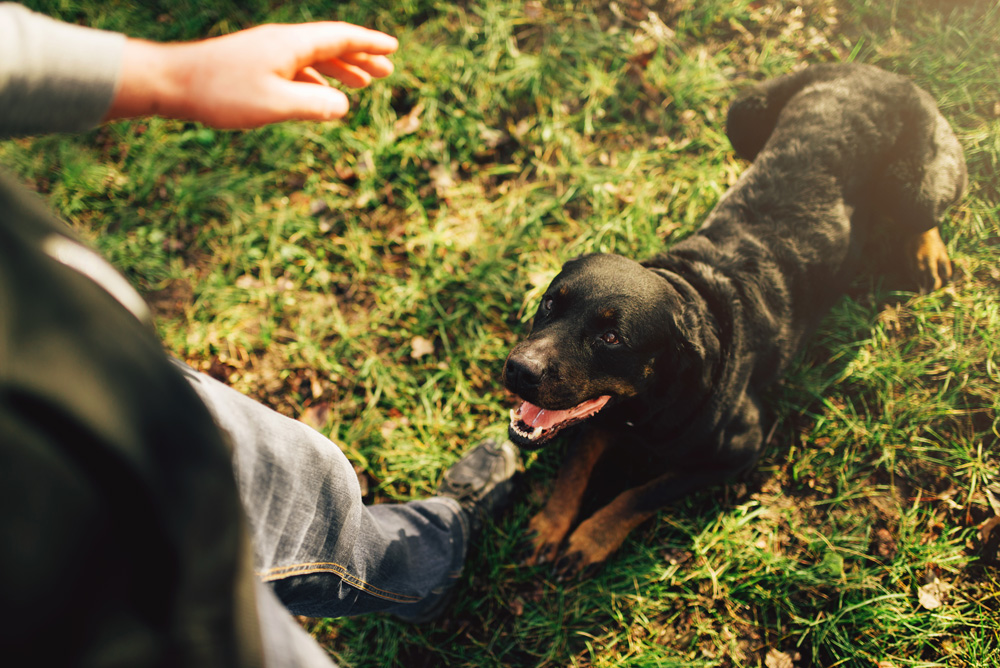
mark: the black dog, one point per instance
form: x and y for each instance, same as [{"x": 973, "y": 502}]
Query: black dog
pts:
[{"x": 668, "y": 359}]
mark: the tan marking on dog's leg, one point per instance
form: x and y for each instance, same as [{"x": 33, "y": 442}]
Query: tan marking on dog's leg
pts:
[
  {"x": 553, "y": 522},
  {"x": 600, "y": 535},
  {"x": 929, "y": 263}
]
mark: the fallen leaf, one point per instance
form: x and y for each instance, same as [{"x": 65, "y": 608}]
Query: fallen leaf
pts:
[
  {"x": 315, "y": 416},
  {"x": 391, "y": 425},
  {"x": 410, "y": 123},
  {"x": 990, "y": 537},
  {"x": 491, "y": 137},
  {"x": 991, "y": 496},
  {"x": 931, "y": 595},
  {"x": 421, "y": 347},
  {"x": 221, "y": 370},
  {"x": 315, "y": 387},
  {"x": 778, "y": 659},
  {"x": 317, "y": 207},
  {"x": 442, "y": 179},
  {"x": 884, "y": 545},
  {"x": 987, "y": 527}
]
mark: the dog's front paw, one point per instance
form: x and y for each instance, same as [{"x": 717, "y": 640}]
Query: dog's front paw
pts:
[
  {"x": 586, "y": 551},
  {"x": 546, "y": 535}
]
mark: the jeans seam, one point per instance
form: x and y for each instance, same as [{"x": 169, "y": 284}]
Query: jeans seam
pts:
[{"x": 282, "y": 572}]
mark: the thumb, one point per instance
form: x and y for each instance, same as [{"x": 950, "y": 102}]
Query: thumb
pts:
[{"x": 312, "y": 102}]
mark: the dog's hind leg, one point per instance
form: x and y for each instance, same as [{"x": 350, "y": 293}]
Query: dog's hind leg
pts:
[
  {"x": 925, "y": 175},
  {"x": 754, "y": 113},
  {"x": 550, "y": 526},
  {"x": 930, "y": 265}
]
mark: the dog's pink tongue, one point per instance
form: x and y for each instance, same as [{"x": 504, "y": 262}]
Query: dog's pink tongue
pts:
[{"x": 534, "y": 416}]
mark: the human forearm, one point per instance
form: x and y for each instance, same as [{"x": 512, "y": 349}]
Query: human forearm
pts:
[
  {"x": 60, "y": 77},
  {"x": 54, "y": 76}
]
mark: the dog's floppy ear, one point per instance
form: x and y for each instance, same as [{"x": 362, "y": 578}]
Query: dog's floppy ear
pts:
[
  {"x": 683, "y": 371},
  {"x": 682, "y": 317},
  {"x": 692, "y": 351},
  {"x": 689, "y": 324}
]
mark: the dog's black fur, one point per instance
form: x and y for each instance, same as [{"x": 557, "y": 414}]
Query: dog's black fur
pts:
[{"x": 686, "y": 342}]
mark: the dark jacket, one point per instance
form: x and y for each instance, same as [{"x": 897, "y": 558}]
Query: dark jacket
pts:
[{"x": 123, "y": 541}]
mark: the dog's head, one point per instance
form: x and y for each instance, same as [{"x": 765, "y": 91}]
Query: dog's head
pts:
[{"x": 606, "y": 330}]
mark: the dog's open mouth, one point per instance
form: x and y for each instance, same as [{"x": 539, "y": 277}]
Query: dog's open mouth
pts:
[{"x": 532, "y": 426}]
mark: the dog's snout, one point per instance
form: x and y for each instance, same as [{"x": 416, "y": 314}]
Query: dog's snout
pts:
[{"x": 523, "y": 372}]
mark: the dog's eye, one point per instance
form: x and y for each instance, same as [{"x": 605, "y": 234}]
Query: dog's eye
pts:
[{"x": 610, "y": 338}]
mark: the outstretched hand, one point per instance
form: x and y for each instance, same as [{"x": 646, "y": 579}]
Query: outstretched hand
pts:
[{"x": 250, "y": 78}]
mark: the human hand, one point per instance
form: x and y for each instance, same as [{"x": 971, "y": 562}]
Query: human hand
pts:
[{"x": 250, "y": 78}]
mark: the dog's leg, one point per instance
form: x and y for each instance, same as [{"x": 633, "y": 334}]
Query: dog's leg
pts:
[
  {"x": 929, "y": 263},
  {"x": 754, "y": 113},
  {"x": 550, "y": 526},
  {"x": 601, "y": 534},
  {"x": 925, "y": 175}
]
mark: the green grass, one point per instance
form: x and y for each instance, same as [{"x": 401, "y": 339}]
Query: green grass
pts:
[{"x": 301, "y": 262}]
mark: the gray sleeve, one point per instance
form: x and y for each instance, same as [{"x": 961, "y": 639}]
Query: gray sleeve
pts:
[{"x": 54, "y": 76}]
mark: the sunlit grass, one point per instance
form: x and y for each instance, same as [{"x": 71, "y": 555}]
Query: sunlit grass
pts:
[{"x": 310, "y": 265}]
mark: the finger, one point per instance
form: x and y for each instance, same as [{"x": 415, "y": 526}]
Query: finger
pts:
[
  {"x": 310, "y": 75},
  {"x": 308, "y": 102},
  {"x": 377, "y": 66},
  {"x": 349, "y": 75},
  {"x": 332, "y": 39}
]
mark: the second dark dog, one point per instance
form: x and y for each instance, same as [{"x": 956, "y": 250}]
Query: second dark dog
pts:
[{"x": 667, "y": 359}]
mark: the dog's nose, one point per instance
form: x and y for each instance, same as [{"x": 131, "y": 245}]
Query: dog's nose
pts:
[{"x": 523, "y": 372}]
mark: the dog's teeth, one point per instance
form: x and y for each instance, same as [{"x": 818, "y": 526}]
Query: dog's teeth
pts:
[
  {"x": 513, "y": 415},
  {"x": 536, "y": 433},
  {"x": 521, "y": 432}
]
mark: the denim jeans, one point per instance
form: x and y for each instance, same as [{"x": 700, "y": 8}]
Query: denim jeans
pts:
[{"x": 318, "y": 550}]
